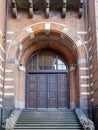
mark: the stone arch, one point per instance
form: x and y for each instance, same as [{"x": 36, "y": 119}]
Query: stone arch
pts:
[
  {"x": 23, "y": 37},
  {"x": 27, "y": 41}
]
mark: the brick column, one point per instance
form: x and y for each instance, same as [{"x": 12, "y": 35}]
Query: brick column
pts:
[
  {"x": 73, "y": 88},
  {"x": 93, "y": 55},
  {"x": 2, "y": 50}
]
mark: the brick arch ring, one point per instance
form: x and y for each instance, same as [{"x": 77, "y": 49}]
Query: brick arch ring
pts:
[{"x": 34, "y": 33}]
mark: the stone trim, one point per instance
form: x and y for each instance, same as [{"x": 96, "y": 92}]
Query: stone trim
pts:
[
  {"x": 47, "y": 28},
  {"x": 2, "y": 59},
  {"x": 82, "y": 32},
  {"x": 1, "y": 33},
  {"x": 89, "y": 40},
  {"x": 84, "y": 85},
  {"x": 10, "y": 32},
  {"x": 64, "y": 32},
  {"x": 9, "y": 94},
  {"x": 92, "y": 84},
  {"x": 85, "y": 93},
  {"x": 19, "y": 104},
  {"x": 84, "y": 68},
  {"x": 8, "y": 71},
  {"x": 9, "y": 60},
  {"x": 1, "y": 93},
  {"x": 92, "y": 100},
  {"x": 9, "y": 79},
  {"x": 9, "y": 41},
  {"x": 1, "y": 85},
  {"x": 85, "y": 42},
  {"x": 1, "y": 77},
  {"x": 1, "y": 105},
  {"x": 90, "y": 48},
  {"x": 1, "y": 68},
  {"x": 2, "y": 48},
  {"x": 1, "y": 100},
  {"x": 82, "y": 61},
  {"x": 79, "y": 43},
  {"x": 9, "y": 87},
  {"x": 29, "y": 30},
  {"x": 16, "y": 43},
  {"x": 22, "y": 68},
  {"x": 84, "y": 77}
]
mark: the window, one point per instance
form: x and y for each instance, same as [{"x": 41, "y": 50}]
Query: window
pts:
[{"x": 46, "y": 60}]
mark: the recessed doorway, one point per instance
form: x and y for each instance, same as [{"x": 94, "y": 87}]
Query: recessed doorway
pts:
[{"x": 47, "y": 81}]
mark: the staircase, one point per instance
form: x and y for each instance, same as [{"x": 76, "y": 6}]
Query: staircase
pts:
[{"x": 46, "y": 119}]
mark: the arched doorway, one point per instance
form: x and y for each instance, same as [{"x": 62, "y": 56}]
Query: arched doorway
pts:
[{"x": 47, "y": 81}]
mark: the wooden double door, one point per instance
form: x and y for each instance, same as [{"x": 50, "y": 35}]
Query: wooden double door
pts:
[{"x": 47, "y": 90}]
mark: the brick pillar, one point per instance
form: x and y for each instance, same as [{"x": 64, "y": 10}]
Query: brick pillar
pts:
[
  {"x": 73, "y": 88},
  {"x": 2, "y": 49},
  {"x": 93, "y": 55}
]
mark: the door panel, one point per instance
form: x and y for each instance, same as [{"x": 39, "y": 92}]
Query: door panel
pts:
[
  {"x": 47, "y": 91},
  {"x": 32, "y": 103},
  {"x": 62, "y": 90},
  {"x": 52, "y": 103},
  {"x": 62, "y": 103},
  {"x": 52, "y": 90},
  {"x": 42, "y": 90},
  {"x": 31, "y": 91}
]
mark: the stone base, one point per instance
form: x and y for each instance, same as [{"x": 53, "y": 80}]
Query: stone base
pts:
[
  {"x": 72, "y": 105},
  {"x": 85, "y": 105},
  {"x": 8, "y": 106},
  {"x": 19, "y": 104}
]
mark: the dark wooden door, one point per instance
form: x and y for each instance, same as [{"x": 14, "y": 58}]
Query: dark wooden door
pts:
[
  {"x": 47, "y": 91},
  {"x": 42, "y": 91},
  {"x": 52, "y": 90}
]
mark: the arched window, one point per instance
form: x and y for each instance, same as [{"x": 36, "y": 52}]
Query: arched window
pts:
[{"x": 46, "y": 60}]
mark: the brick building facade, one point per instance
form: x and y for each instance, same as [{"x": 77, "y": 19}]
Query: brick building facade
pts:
[{"x": 72, "y": 38}]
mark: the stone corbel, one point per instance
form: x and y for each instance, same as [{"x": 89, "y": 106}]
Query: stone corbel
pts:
[
  {"x": 30, "y": 8},
  {"x": 47, "y": 8},
  {"x": 80, "y": 9},
  {"x": 14, "y": 8},
  {"x": 64, "y": 8}
]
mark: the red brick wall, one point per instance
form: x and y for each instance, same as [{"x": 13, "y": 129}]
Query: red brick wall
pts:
[
  {"x": 93, "y": 56},
  {"x": 2, "y": 47},
  {"x": 16, "y": 33}
]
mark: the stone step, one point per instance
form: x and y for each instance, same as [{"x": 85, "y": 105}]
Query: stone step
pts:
[
  {"x": 51, "y": 129},
  {"x": 53, "y": 122},
  {"x": 56, "y": 120},
  {"x": 48, "y": 127},
  {"x": 47, "y": 116},
  {"x": 48, "y": 109},
  {"x": 47, "y": 119}
]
